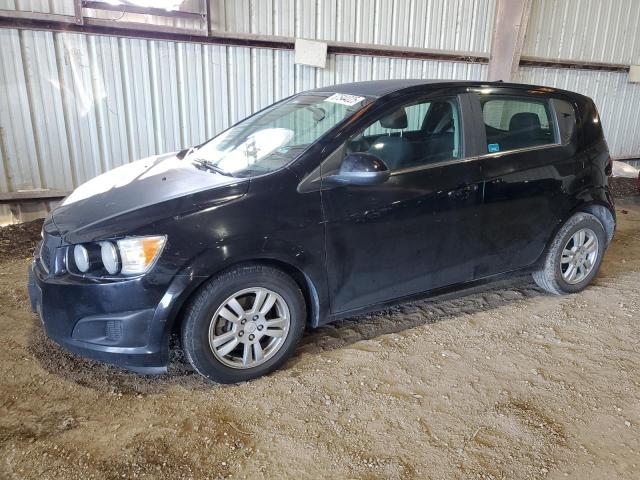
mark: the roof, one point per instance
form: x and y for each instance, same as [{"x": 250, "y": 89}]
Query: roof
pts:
[
  {"x": 377, "y": 88},
  {"x": 380, "y": 88}
]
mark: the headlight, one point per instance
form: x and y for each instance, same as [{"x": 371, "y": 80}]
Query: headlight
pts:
[
  {"x": 138, "y": 254},
  {"x": 110, "y": 257},
  {"x": 127, "y": 256},
  {"x": 81, "y": 257}
]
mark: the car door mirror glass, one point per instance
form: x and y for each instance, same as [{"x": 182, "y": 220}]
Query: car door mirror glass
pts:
[{"x": 360, "y": 168}]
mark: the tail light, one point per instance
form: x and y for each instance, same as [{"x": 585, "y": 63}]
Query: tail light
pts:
[{"x": 608, "y": 170}]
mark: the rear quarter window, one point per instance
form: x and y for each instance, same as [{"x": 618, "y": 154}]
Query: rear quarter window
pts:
[{"x": 566, "y": 117}]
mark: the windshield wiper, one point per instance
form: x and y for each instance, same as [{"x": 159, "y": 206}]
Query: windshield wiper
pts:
[
  {"x": 187, "y": 151},
  {"x": 192, "y": 150},
  {"x": 203, "y": 164}
]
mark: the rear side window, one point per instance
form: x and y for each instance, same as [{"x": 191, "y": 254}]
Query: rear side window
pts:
[{"x": 512, "y": 123}]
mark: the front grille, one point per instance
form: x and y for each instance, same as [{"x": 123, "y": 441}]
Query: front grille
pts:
[
  {"x": 45, "y": 256},
  {"x": 50, "y": 243}
]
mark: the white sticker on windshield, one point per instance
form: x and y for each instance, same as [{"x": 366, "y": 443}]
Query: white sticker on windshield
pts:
[{"x": 344, "y": 99}]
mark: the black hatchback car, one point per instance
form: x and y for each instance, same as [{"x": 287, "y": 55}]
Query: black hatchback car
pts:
[{"x": 326, "y": 204}]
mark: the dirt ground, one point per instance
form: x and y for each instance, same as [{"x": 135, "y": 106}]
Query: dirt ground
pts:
[{"x": 503, "y": 382}]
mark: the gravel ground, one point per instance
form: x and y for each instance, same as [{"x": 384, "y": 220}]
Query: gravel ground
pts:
[
  {"x": 499, "y": 382},
  {"x": 624, "y": 187}
]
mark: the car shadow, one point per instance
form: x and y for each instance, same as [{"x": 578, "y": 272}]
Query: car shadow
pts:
[{"x": 395, "y": 319}]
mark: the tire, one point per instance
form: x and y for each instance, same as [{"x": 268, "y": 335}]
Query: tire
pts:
[
  {"x": 205, "y": 327},
  {"x": 554, "y": 275}
]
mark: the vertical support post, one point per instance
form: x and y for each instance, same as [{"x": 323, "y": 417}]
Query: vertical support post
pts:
[
  {"x": 77, "y": 8},
  {"x": 207, "y": 14},
  {"x": 509, "y": 28}
]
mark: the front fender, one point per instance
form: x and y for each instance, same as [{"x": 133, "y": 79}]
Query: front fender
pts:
[{"x": 302, "y": 264}]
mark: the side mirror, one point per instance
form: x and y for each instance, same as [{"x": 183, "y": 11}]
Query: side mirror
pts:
[{"x": 360, "y": 169}]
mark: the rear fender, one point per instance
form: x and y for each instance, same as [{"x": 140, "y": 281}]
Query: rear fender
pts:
[{"x": 597, "y": 204}]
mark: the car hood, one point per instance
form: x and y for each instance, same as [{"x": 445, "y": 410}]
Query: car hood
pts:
[{"x": 141, "y": 192}]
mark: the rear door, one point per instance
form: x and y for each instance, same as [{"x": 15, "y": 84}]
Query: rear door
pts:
[
  {"x": 416, "y": 231},
  {"x": 529, "y": 167}
]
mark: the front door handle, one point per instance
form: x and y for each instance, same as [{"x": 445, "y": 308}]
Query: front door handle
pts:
[{"x": 463, "y": 192}]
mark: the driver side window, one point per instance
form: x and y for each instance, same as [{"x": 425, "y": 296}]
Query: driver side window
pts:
[{"x": 412, "y": 135}]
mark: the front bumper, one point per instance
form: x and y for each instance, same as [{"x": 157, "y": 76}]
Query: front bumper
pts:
[{"x": 125, "y": 323}]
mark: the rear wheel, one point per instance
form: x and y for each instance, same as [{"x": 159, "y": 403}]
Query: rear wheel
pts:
[
  {"x": 243, "y": 324},
  {"x": 574, "y": 257}
]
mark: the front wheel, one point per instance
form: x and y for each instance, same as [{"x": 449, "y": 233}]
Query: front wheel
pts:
[
  {"x": 574, "y": 256},
  {"x": 243, "y": 324}
]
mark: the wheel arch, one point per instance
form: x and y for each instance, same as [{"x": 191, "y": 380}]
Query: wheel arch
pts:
[
  {"x": 304, "y": 282},
  {"x": 600, "y": 210},
  {"x": 602, "y": 213}
]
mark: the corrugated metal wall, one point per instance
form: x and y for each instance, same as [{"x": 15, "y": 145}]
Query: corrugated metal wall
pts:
[
  {"x": 60, "y": 7},
  {"x": 460, "y": 25},
  {"x": 594, "y": 30},
  {"x": 73, "y": 106}
]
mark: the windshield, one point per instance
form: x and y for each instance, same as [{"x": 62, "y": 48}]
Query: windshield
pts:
[{"x": 275, "y": 136}]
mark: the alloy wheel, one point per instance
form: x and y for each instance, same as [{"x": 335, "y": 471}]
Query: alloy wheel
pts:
[
  {"x": 579, "y": 256},
  {"x": 249, "y": 327}
]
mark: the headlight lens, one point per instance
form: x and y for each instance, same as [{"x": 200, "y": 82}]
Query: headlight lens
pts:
[
  {"x": 138, "y": 254},
  {"x": 81, "y": 257},
  {"x": 110, "y": 257}
]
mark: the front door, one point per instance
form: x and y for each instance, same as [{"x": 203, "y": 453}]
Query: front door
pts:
[{"x": 416, "y": 231}]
